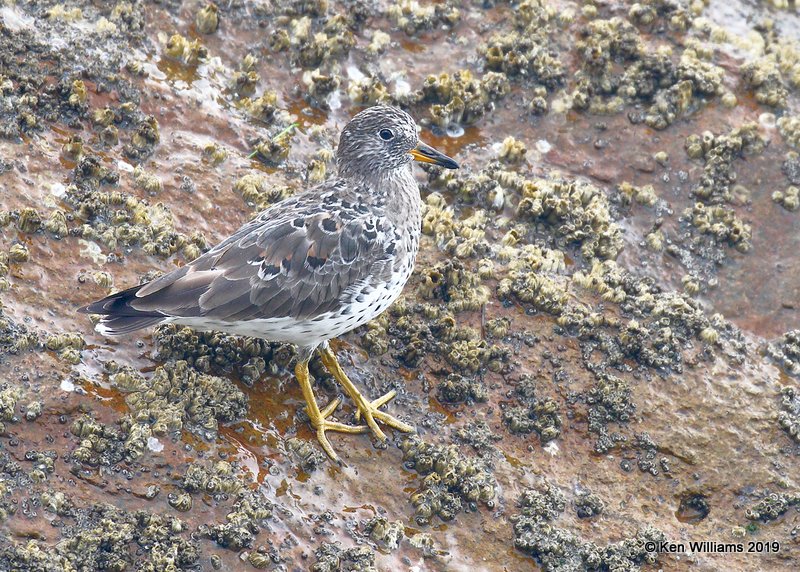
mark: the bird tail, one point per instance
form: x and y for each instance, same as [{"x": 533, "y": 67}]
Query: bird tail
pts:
[{"x": 119, "y": 316}]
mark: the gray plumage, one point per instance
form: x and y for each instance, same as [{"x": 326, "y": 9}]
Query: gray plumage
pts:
[{"x": 311, "y": 267}]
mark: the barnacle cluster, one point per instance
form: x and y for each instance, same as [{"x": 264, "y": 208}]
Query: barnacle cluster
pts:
[
  {"x": 105, "y": 445},
  {"x": 722, "y": 223},
  {"x": 368, "y": 90},
  {"x": 763, "y": 77},
  {"x": 671, "y": 86},
  {"x": 786, "y": 352},
  {"x": 110, "y": 539},
  {"x": 9, "y": 396},
  {"x": 577, "y": 211},
  {"x": 644, "y": 195},
  {"x": 453, "y": 283},
  {"x": 534, "y": 277},
  {"x": 258, "y": 192},
  {"x": 659, "y": 323},
  {"x": 243, "y": 522},
  {"x": 211, "y": 479},
  {"x": 608, "y": 401},
  {"x": 788, "y": 199},
  {"x": 314, "y": 42},
  {"x": 464, "y": 238},
  {"x": 450, "y": 479},
  {"x": 330, "y": 557},
  {"x": 789, "y": 127},
  {"x": 534, "y": 413},
  {"x": 309, "y": 456},
  {"x": 479, "y": 436},
  {"x": 147, "y": 182},
  {"x": 456, "y": 388},
  {"x": 116, "y": 219},
  {"x": 555, "y": 548},
  {"x": 190, "y": 53},
  {"x": 588, "y": 504},
  {"x": 772, "y": 506},
  {"x": 266, "y": 108},
  {"x": 208, "y": 351},
  {"x": 14, "y": 337},
  {"x": 412, "y": 16},
  {"x": 789, "y": 414},
  {"x": 178, "y": 395},
  {"x": 461, "y": 99},
  {"x": 384, "y": 533},
  {"x": 68, "y": 346},
  {"x": 528, "y": 52},
  {"x": 718, "y": 153}
]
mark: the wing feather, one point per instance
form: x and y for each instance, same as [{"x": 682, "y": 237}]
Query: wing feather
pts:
[{"x": 300, "y": 258}]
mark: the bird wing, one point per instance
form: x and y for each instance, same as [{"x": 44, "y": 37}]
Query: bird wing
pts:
[{"x": 291, "y": 261}]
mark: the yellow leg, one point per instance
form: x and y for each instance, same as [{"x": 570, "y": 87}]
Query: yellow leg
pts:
[
  {"x": 366, "y": 408},
  {"x": 319, "y": 419}
]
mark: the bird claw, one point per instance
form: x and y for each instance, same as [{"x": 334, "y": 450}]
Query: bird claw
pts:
[
  {"x": 321, "y": 425},
  {"x": 370, "y": 410}
]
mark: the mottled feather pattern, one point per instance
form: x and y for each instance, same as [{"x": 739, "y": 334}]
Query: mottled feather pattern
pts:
[{"x": 297, "y": 259}]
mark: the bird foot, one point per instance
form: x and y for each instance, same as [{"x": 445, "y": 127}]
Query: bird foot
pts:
[
  {"x": 321, "y": 425},
  {"x": 371, "y": 412}
]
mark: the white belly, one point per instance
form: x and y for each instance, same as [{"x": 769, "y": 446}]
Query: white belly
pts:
[{"x": 308, "y": 332}]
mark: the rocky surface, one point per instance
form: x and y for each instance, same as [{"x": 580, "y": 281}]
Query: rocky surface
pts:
[{"x": 598, "y": 347}]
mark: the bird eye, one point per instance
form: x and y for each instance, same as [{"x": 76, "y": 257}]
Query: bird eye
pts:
[{"x": 386, "y": 134}]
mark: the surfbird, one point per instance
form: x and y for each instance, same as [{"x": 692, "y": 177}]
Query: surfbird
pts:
[{"x": 309, "y": 268}]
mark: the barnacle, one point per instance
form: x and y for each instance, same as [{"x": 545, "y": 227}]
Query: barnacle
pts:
[
  {"x": 645, "y": 195},
  {"x": 56, "y": 224},
  {"x": 722, "y": 223},
  {"x": 258, "y": 192},
  {"x": 207, "y": 19},
  {"x": 764, "y": 78},
  {"x": 788, "y": 199},
  {"x": 330, "y": 557},
  {"x": 386, "y": 534},
  {"x": 18, "y": 253},
  {"x": 28, "y": 220},
  {"x": 588, "y": 505},
  {"x": 789, "y": 127},
  {"x": 189, "y": 53},
  {"x": 789, "y": 414},
  {"x": 148, "y": 182}
]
